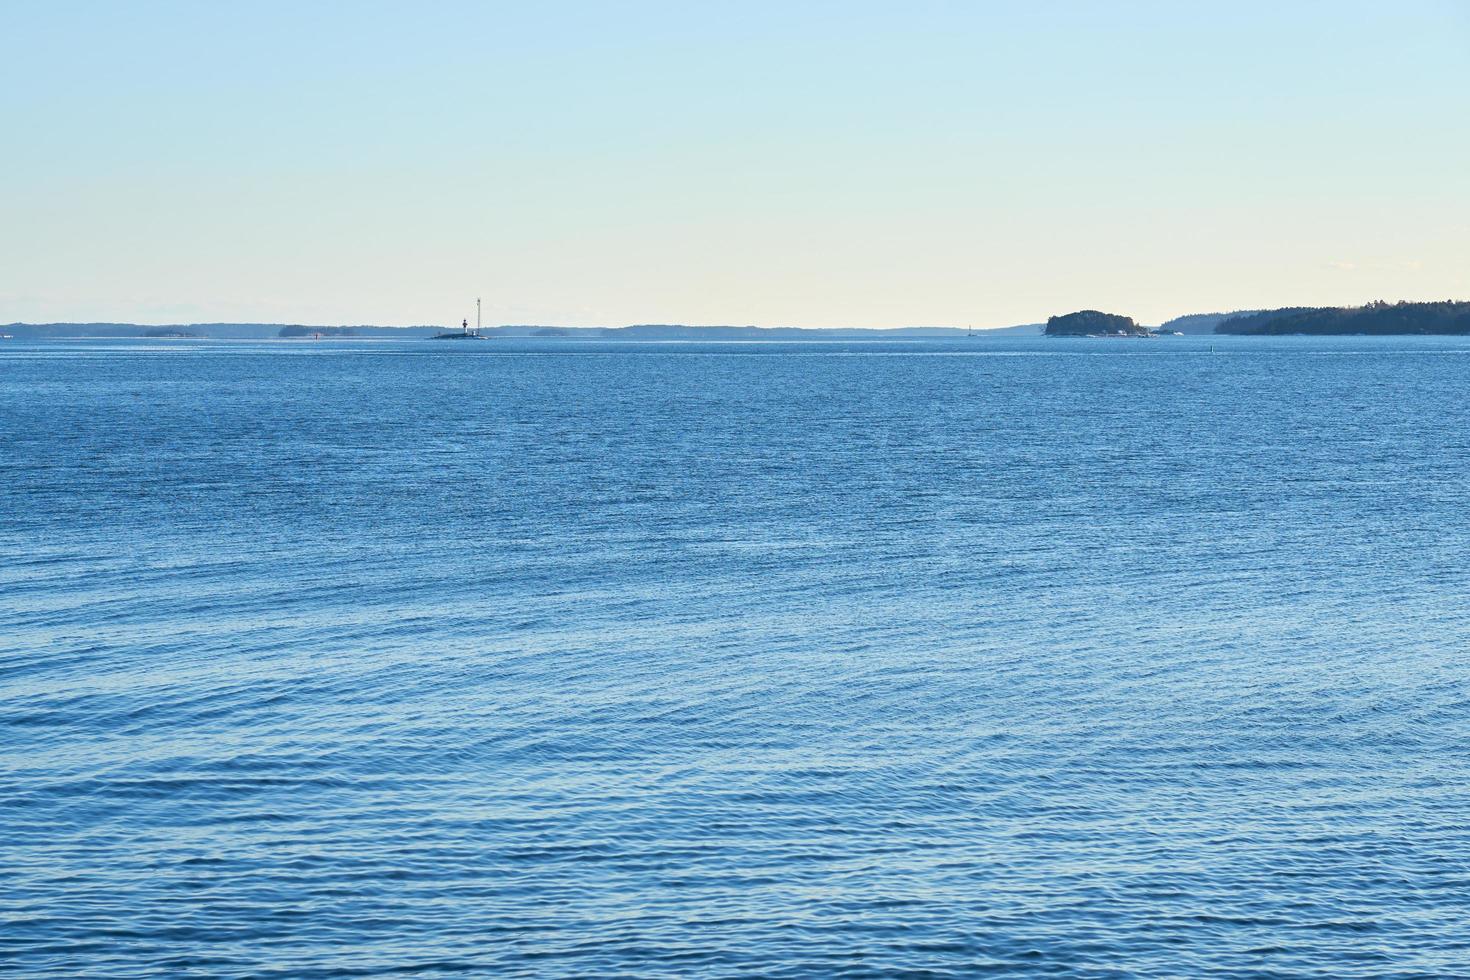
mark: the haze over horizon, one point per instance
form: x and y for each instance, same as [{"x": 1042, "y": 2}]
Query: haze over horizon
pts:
[{"x": 815, "y": 164}]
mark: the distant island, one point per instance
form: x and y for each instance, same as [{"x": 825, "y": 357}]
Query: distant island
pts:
[
  {"x": 172, "y": 333},
  {"x": 300, "y": 331},
  {"x": 1199, "y": 323},
  {"x": 1379, "y": 319},
  {"x": 1094, "y": 323},
  {"x": 213, "y": 331}
]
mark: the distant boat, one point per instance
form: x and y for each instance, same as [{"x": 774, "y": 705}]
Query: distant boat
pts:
[{"x": 464, "y": 333}]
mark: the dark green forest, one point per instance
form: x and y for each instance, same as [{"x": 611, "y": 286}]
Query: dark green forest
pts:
[{"x": 1448, "y": 317}]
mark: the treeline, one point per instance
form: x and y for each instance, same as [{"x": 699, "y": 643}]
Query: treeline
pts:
[
  {"x": 296, "y": 330},
  {"x": 678, "y": 331},
  {"x": 1380, "y": 318},
  {"x": 1200, "y": 322},
  {"x": 637, "y": 332},
  {"x": 217, "y": 331}
]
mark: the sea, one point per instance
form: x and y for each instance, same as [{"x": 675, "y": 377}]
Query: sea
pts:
[{"x": 551, "y": 658}]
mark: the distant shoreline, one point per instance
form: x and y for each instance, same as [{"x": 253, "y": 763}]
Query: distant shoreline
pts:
[
  {"x": 1445, "y": 318},
  {"x": 636, "y": 332}
]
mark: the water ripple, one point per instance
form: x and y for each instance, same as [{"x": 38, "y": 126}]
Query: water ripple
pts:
[{"x": 1024, "y": 658}]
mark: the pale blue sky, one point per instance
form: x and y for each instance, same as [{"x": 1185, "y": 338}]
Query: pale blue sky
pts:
[{"x": 814, "y": 164}]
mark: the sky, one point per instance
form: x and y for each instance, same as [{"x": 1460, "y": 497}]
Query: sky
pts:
[{"x": 788, "y": 163}]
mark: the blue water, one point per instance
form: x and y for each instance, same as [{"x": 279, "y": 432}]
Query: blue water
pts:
[{"x": 1015, "y": 657}]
